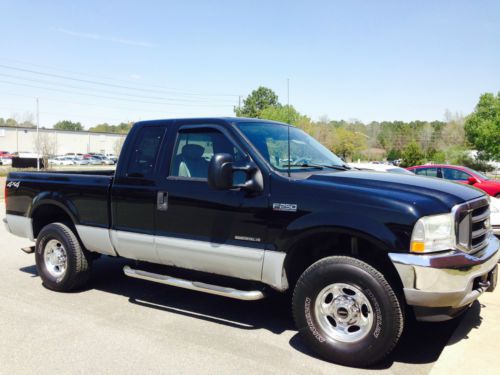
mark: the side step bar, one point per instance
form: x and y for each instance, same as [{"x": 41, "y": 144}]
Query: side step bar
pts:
[{"x": 250, "y": 295}]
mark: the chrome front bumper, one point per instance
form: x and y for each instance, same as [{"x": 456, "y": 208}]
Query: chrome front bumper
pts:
[{"x": 447, "y": 279}]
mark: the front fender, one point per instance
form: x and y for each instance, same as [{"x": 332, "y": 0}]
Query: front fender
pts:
[{"x": 392, "y": 237}]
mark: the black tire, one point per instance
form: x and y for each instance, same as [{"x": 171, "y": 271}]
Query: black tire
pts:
[
  {"x": 78, "y": 260},
  {"x": 387, "y": 315}
]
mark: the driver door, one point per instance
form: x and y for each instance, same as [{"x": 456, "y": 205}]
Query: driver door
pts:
[{"x": 197, "y": 227}]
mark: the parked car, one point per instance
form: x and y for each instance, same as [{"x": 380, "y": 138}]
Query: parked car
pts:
[
  {"x": 62, "y": 160},
  {"x": 5, "y": 154},
  {"x": 380, "y": 168},
  {"x": 79, "y": 160},
  {"x": 5, "y": 160},
  {"x": 463, "y": 175},
  {"x": 362, "y": 251},
  {"x": 112, "y": 157},
  {"x": 495, "y": 216}
]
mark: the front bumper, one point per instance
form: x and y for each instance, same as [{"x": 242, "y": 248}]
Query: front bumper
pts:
[{"x": 452, "y": 279}]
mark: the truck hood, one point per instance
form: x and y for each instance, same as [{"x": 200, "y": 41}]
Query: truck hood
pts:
[{"x": 442, "y": 195}]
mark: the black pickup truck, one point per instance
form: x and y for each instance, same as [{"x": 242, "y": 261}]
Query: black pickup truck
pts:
[{"x": 263, "y": 207}]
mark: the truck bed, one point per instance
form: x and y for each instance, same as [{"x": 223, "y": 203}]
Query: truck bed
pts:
[{"x": 85, "y": 193}]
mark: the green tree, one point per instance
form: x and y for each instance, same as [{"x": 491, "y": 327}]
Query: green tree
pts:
[
  {"x": 286, "y": 114},
  {"x": 393, "y": 154},
  {"x": 482, "y": 127},
  {"x": 256, "y": 102},
  {"x": 122, "y": 128},
  {"x": 346, "y": 143},
  {"x": 68, "y": 125},
  {"x": 412, "y": 155}
]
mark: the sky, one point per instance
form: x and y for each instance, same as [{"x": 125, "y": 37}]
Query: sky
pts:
[{"x": 113, "y": 61}]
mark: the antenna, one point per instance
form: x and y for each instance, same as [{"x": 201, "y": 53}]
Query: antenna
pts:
[{"x": 288, "y": 117}]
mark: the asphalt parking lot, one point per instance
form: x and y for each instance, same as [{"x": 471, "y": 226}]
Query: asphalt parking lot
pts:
[{"x": 122, "y": 325}]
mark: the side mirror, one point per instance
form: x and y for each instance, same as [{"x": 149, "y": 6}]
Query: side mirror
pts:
[
  {"x": 220, "y": 172},
  {"x": 222, "y": 168},
  {"x": 471, "y": 181}
]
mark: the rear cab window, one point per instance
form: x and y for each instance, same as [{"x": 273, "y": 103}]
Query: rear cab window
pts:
[{"x": 144, "y": 152}]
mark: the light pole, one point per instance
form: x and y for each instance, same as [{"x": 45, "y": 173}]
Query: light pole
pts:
[{"x": 37, "y": 137}]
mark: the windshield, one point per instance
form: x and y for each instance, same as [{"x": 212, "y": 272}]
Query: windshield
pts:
[
  {"x": 482, "y": 176},
  {"x": 271, "y": 140}
]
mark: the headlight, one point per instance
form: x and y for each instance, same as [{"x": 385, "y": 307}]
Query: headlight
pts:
[{"x": 433, "y": 233}]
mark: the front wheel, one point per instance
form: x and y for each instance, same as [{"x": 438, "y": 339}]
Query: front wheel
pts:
[
  {"x": 346, "y": 311},
  {"x": 61, "y": 261}
]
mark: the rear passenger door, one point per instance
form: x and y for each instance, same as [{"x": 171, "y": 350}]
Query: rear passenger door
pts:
[
  {"x": 133, "y": 195},
  {"x": 429, "y": 172}
]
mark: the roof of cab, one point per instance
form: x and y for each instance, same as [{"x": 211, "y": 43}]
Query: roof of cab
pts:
[{"x": 198, "y": 120}]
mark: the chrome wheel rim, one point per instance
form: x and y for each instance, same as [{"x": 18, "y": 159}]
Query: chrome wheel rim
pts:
[
  {"x": 344, "y": 312},
  {"x": 55, "y": 258}
]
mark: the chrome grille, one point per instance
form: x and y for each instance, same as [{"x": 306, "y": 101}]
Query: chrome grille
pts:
[{"x": 472, "y": 225}]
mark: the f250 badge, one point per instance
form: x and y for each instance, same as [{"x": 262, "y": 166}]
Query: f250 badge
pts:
[
  {"x": 288, "y": 207},
  {"x": 13, "y": 184}
]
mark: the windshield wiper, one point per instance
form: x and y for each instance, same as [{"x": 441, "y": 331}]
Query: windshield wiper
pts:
[{"x": 319, "y": 166}]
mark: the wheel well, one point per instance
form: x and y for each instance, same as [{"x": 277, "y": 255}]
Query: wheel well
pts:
[
  {"x": 50, "y": 213},
  {"x": 314, "y": 247}
]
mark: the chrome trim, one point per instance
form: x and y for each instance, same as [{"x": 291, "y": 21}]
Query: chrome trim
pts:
[
  {"x": 246, "y": 263},
  {"x": 468, "y": 207},
  {"x": 96, "y": 239},
  {"x": 445, "y": 279},
  {"x": 21, "y": 226},
  {"x": 137, "y": 246},
  {"x": 250, "y": 295},
  {"x": 273, "y": 270},
  {"x": 228, "y": 260}
]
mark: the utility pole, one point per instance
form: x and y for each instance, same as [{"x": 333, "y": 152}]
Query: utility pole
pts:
[
  {"x": 239, "y": 103},
  {"x": 37, "y": 136}
]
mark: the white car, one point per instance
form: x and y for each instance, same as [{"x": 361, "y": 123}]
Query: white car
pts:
[
  {"x": 62, "y": 160},
  {"x": 80, "y": 161},
  {"x": 103, "y": 160},
  {"x": 381, "y": 168},
  {"x": 495, "y": 215},
  {"x": 5, "y": 161}
]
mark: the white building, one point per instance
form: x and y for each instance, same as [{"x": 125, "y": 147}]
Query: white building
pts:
[{"x": 58, "y": 142}]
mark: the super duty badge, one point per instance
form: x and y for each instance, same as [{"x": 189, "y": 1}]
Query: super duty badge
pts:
[{"x": 289, "y": 207}]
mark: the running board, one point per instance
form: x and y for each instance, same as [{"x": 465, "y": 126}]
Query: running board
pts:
[{"x": 246, "y": 295}]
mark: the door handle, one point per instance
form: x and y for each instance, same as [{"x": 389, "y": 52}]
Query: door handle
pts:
[{"x": 162, "y": 201}]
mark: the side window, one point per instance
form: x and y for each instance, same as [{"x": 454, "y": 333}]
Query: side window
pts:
[
  {"x": 194, "y": 150},
  {"x": 455, "y": 174},
  {"x": 144, "y": 152},
  {"x": 429, "y": 172}
]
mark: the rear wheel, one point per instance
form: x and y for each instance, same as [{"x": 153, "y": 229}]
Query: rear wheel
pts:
[
  {"x": 346, "y": 311},
  {"x": 61, "y": 261}
]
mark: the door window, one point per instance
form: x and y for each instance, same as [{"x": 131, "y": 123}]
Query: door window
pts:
[
  {"x": 194, "y": 150},
  {"x": 429, "y": 172},
  {"x": 455, "y": 174}
]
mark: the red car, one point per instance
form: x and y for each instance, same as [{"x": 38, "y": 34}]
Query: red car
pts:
[{"x": 463, "y": 175}]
